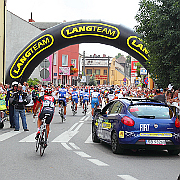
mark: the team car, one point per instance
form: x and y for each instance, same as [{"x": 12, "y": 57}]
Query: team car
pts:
[{"x": 137, "y": 124}]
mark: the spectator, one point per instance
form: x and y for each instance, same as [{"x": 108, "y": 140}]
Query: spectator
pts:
[
  {"x": 10, "y": 107},
  {"x": 19, "y": 103}
]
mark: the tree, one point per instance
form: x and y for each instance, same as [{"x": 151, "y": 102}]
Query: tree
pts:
[
  {"x": 33, "y": 82},
  {"x": 159, "y": 28},
  {"x": 92, "y": 81},
  {"x": 119, "y": 55}
]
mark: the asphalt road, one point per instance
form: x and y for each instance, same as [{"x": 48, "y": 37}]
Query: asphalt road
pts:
[{"x": 71, "y": 155}]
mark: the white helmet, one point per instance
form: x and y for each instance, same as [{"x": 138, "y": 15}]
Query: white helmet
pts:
[{"x": 15, "y": 83}]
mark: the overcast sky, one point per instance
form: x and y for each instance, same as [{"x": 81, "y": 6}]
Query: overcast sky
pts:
[{"x": 113, "y": 11}]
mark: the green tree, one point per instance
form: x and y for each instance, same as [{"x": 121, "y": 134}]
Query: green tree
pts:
[
  {"x": 119, "y": 55},
  {"x": 92, "y": 81},
  {"x": 33, "y": 82},
  {"x": 159, "y": 28}
]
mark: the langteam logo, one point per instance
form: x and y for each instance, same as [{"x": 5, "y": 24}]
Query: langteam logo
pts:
[
  {"x": 29, "y": 53},
  {"x": 135, "y": 44},
  {"x": 90, "y": 29}
]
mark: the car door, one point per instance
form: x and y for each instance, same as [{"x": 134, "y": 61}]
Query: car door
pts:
[{"x": 111, "y": 120}]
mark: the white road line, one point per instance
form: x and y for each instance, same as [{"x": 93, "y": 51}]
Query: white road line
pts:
[
  {"x": 127, "y": 177},
  {"x": 74, "y": 146},
  {"x": 89, "y": 139},
  {"x": 78, "y": 127},
  {"x": 97, "y": 162},
  {"x": 73, "y": 127},
  {"x": 30, "y": 138},
  {"x": 87, "y": 118},
  {"x": 88, "y": 112},
  {"x": 65, "y": 136},
  {"x": 9, "y": 135},
  {"x": 66, "y": 146},
  {"x": 82, "y": 118},
  {"x": 82, "y": 154}
]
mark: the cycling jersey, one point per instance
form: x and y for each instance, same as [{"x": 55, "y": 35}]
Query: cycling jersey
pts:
[
  {"x": 62, "y": 96},
  {"x": 111, "y": 97},
  {"x": 95, "y": 99},
  {"x": 75, "y": 96},
  {"x": 85, "y": 97},
  {"x": 48, "y": 107},
  {"x": 81, "y": 93}
]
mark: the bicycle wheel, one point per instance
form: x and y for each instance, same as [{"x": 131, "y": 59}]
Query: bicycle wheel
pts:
[
  {"x": 37, "y": 144},
  {"x": 43, "y": 140},
  {"x": 62, "y": 113},
  {"x": 73, "y": 108},
  {"x": 85, "y": 108}
]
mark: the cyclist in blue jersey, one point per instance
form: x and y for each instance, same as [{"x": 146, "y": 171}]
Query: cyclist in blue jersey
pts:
[
  {"x": 62, "y": 97},
  {"x": 74, "y": 96},
  {"x": 95, "y": 100},
  {"x": 85, "y": 98},
  {"x": 81, "y": 92}
]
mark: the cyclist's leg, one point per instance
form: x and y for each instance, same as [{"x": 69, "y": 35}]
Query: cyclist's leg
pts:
[
  {"x": 65, "y": 105},
  {"x": 92, "y": 106},
  {"x": 47, "y": 128}
]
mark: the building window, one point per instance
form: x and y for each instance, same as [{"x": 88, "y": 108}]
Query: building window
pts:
[
  {"x": 112, "y": 72},
  {"x": 64, "y": 60},
  {"x": 97, "y": 71},
  {"x": 55, "y": 59},
  {"x": 98, "y": 82},
  {"x": 105, "y": 71},
  {"x": 88, "y": 71},
  {"x": 73, "y": 61},
  {"x": 104, "y": 82}
]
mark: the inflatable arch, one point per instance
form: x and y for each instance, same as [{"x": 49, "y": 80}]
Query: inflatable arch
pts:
[{"x": 69, "y": 33}]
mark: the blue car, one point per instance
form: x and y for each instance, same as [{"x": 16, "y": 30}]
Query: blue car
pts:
[{"x": 137, "y": 124}]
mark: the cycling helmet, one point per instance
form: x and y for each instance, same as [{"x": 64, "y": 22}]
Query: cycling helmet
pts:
[
  {"x": 62, "y": 86},
  {"x": 47, "y": 91},
  {"x": 74, "y": 89},
  {"x": 35, "y": 87},
  {"x": 15, "y": 83}
]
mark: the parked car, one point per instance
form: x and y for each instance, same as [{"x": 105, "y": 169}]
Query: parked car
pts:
[{"x": 137, "y": 124}]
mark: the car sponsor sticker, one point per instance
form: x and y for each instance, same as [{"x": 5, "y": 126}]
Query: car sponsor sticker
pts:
[
  {"x": 155, "y": 134},
  {"x": 106, "y": 125},
  {"x": 121, "y": 134}
]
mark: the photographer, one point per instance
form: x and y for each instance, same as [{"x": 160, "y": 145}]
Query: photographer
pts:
[{"x": 19, "y": 102}]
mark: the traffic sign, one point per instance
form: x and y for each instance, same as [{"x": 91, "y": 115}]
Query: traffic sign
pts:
[
  {"x": 124, "y": 79},
  {"x": 124, "y": 83}
]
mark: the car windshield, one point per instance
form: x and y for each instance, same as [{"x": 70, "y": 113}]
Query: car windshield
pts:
[{"x": 150, "y": 111}]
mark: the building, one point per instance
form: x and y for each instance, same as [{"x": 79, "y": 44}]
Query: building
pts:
[
  {"x": 118, "y": 73},
  {"x": 99, "y": 66}
]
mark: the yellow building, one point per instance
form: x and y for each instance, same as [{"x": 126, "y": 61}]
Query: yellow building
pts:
[{"x": 117, "y": 75}]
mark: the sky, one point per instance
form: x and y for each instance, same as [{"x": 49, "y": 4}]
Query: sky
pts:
[{"x": 113, "y": 11}]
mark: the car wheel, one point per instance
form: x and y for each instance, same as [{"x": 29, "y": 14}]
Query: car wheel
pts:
[
  {"x": 174, "y": 152},
  {"x": 116, "y": 148},
  {"x": 94, "y": 135}
]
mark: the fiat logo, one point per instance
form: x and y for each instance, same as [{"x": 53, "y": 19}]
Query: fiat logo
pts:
[{"x": 155, "y": 126}]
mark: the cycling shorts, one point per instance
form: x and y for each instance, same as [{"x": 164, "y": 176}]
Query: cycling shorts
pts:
[
  {"x": 85, "y": 99},
  {"x": 75, "y": 99},
  {"x": 64, "y": 101},
  {"x": 94, "y": 100},
  {"x": 47, "y": 110}
]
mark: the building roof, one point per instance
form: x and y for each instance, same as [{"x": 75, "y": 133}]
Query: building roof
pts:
[
  {"x": 45, "y": 25},
  {"x": 121, "y": 59}
]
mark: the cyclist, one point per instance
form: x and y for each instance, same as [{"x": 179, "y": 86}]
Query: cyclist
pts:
[
  {"x": 95, "y": 99},
  {"x": 85, "y": 98},
  {"x": 81, "y": 92},
  {"x": 110, "y": 96},
  {"x": 47, "y": 102},
  {"x": 74, "y": 96},
  {"x": 62, "y": 97}
]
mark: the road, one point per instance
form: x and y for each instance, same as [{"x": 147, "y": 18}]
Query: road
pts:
[{"x": 71, "y": 155}]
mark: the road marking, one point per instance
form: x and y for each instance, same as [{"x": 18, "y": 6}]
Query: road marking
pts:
[
  {"x": 88, "y": 112},
  {"x": 74, "y": 146},
  {"x": 89, "y": 139},
  {"x": 78, "y": 127},
  {"x": 66, "y": 146},
  {"x": 82, "y": 118},
  {"x": 9, "y": 135},
  {"x": 97, "y": 162},
  {"x": 30, "y": 138},
  {"x": 87, "y": 118},
  {"x": 65, "y": 136},
  {"x": 82, "y": 154},
  {"x": 73, "y": 127},
  {"x": 127, "y": 177}
]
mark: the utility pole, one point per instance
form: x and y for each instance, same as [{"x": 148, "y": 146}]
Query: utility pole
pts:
[
  {"x": 84, "y": 63},
  {"x": 108, "y": 71}
]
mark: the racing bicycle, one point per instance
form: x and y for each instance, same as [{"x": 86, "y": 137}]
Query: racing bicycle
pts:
[
  {"x": 61, "y": 111},
  {"x": 41, "y": 140},
  {"x": 73, "y": 107},
  {"x": 85, "y": 107}
]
